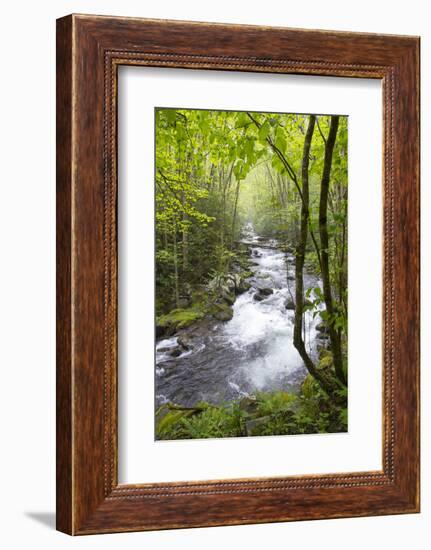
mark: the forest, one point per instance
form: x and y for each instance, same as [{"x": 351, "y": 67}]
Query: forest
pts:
[{"x": 251, "y": 273}]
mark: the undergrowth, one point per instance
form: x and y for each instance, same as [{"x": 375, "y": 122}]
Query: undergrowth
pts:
[{"x": 265, "y": 413}]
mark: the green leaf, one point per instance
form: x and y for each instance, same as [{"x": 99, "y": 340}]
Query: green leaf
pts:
[
  {"x": 278, "y": 165},
  {"x": 242, "y": 120},
  {"x": 171, "y": 115},
  {"x": 280, "y": 140},
  {"x": 171, "y": 419},
  {"x": 264, "y": 132}
]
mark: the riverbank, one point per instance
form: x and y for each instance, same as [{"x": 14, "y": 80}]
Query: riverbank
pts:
[
  {"x": 263, "y": 414},
  {"x": 206, "y": 367}
]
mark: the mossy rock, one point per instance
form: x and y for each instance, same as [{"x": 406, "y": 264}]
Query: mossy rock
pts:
[
  {"x": 178, "y": 319},
  {"x": 228, "y": 297},
  {"x": 222, "y": 312},
  {"x": 242, "y": 287}
]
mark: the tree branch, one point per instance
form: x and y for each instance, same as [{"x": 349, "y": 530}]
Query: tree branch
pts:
[{"x": 320, "y": 131}]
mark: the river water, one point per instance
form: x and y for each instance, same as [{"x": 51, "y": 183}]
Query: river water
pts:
[{"x": 253, "y": 351}]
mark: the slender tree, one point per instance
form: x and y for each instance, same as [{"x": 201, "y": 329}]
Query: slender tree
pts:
[
  {"x": 334, "y": 333},
  {"x": 298, "y": 340}
]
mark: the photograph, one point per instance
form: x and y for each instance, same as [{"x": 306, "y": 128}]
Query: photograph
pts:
[{"x": 251, "y": 273}]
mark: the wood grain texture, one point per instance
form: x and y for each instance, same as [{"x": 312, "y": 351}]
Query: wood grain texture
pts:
[
  {"x": 64, "y": 497},
  {"x": 90, "y": 49}
]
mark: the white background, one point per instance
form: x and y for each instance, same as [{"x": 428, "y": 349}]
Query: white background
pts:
[
  {"x": 141, "y": 458},
  {"x": 27, "y": 233}
]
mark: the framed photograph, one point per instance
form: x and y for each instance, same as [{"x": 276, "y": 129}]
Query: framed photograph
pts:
[{"x": 237, "y": 274}]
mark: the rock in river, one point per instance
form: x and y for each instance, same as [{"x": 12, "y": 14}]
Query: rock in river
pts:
[
  {"x": 228, "y": 297},
  {"x": 266, "y": 291},
  {"x": 262, "y": 293},
  {"x": 289, "y": 304},
  {"x": 176, "y": 352},
  {"x": 185, "y": 342},
  {"x": 223, "y": 312},
  {"x": 242, "y": 287}
]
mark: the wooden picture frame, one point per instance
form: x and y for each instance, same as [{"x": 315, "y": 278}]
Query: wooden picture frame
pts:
[{"x": 89, "y": 51}]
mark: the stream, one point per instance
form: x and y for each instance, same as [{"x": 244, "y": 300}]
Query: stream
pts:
[{"x": 253, "y": 351}]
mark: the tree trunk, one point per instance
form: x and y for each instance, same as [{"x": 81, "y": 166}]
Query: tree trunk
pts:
[
  {"x": 334, "y": 333},
  {"x": 298, "y": 340},
  {"x": 234, "y": 213},
  {"x": 185, "y": 241},
  {"x": 176, "y": 281}
]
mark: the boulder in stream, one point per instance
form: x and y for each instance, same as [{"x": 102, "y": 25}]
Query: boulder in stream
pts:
[
  {"x": 185, "y": 342},
  {"x": 166, "y": 349},
  {"x": 289, "y": 304},
  {"x": 262, "y": 293},
  {"x": 266, "y": 291},
  {"x": 176, "y": 352},
  {"x": 223, "y": 315},
  {"x": 228, "y": 297},
  {"x": 242, "y": 287},
  {"x": 222, "y": 312}
]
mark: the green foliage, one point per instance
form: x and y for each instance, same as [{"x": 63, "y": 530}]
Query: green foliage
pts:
[
  {"x": 308, "y": 387},
  {"x": 270, "y": 413},
  {"x": 270, "y": 403},
  {"x": 343, "y": 416},
  {"x": 208, "y": 421},
  {"x": 215, "y": 171},
  {"x": 326, "y": 362},
  {"x": 169, "y": 421},
  {"x": 215, "y": 422}
]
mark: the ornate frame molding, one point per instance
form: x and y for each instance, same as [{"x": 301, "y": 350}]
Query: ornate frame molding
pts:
[{"x": 90, "y": 49}]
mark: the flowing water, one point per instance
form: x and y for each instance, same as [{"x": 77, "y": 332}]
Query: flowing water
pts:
[{"x": 253, "y": 351}]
